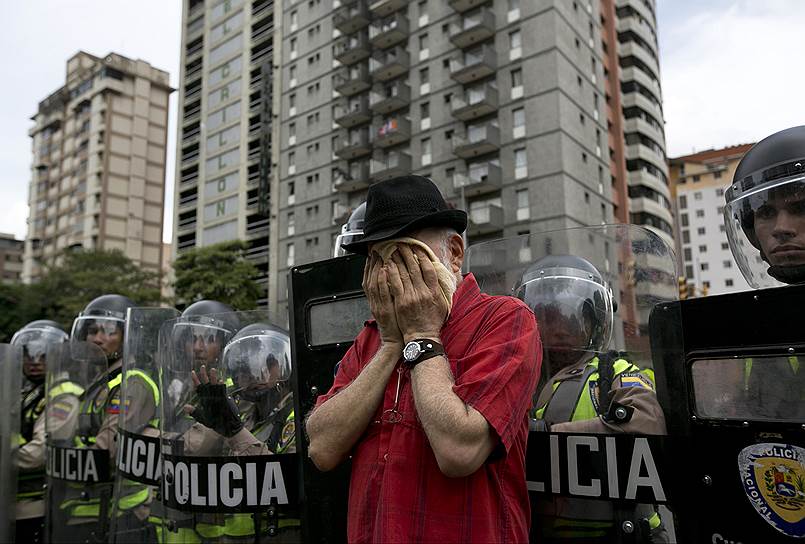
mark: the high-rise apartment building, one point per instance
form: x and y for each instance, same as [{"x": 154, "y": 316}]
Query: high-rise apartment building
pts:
[
  {"x": 98, "y": 172},
  {"x": 223, "y": 162},
  {"x": 699, "y": 182},
  {"x": 11, "y": 251},
  {"x": 501, "y": 103}
]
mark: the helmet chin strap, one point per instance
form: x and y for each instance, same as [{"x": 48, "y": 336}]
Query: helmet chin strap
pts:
[{"x": 788, "y": 274}]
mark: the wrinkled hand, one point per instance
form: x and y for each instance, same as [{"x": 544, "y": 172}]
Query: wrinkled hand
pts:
[
  {"x": 420, "y": 307},
  {"x": 376, "y": 287},
  {"x": 215, "y": 409}
]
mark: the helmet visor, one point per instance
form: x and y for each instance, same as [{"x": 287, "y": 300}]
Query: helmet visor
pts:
[
  {"x": 766, "y": 233},
  {"x": 574, "y": 311},
  {"x": 258, "y": 362},
  {"x": 204, "y": 342},
  {"x": 88, "y": 326},
  {"x": 34, "y": 341},
  {"x": 345, "y": 238}
]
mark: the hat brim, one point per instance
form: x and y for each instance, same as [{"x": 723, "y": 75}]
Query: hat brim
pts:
[{"x": 454, "y": 219}]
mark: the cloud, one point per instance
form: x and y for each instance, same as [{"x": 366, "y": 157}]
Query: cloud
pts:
[{"x": 731, "y": 71}]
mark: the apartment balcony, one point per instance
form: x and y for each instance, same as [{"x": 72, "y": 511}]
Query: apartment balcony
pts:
[
  {"x": 647, "y": 205},
  {"x": 476, "y": 102},
  {"x": 188, "y": 201},
  {"x": 352, "y": 112},
  {"x": 637, "y": 74},
  {"x": 352, "y": 80},
  {"x": 389, "y": 98},
  {"x": 474, "y": 65},
  {"x": 478, "y": 179},
  {"x": 478, "y": 140},
  {"x": 353, "y": 144},
  {"x": 643, "y": 30},
  {"x": 389, "y": 165},
  {"x": 465, "y": 5},
  {"x": 341, "y": 213},
  {"x": 636, "y": 99},
  {"x": 386, "y": 65},
  {"x": 352, "y": 176},
  {"x": 353, "y": 48},
  {"x": 473, "y": 28},
  {"x": 640, "y": 151},
  {"x": 382, "y": 8},
  {"x": 352, "y": 17},
  {"x": 485, "y": 220},
  {"x": 185, "y": 226},
  {"x": 638, "y": 125},
  {"x": 392, "y": 131},
  {"x": 633, "y": 49},
  {"x": 390, "y": 31}
]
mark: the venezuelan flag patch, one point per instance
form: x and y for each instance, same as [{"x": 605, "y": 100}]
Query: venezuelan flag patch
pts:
[
  {"x": 114, "y": 406},
  {"x": 633, "y": 379}
]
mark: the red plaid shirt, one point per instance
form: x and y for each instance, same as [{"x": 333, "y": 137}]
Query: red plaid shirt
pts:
[{"x": 397, "y": 492}]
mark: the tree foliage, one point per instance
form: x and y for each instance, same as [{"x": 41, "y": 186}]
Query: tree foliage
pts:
[
  {"x": 69, "y": 285},
  {"x": 218, "y": 272}
]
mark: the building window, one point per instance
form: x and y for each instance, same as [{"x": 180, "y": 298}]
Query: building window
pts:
[
  {"x": 514, "y": 10},
  {"x": 697, "y": 195},
  {"x": 290, "y": 260},
  {"x": 683, "y": 201},
  {"x": 684, "y": 219},
  {"x": 424, "y": 52},
  {"x": 291, "y": 193},
  {"x": 291, "y": 133},
  {"x": 294, "y": 20},
  {"x": 523, "y": 205},
  {"x": 426, "y": 152},
  {"x": 686, "y": 236},
  {"x": 719, "y": 192},
  {"x": 725, "y": 245},
  {"x": 292, "y": 76},
  {"x": 292, "y": 104},
  {"x": 696, "y": 178},
  {"x": 700, "y": 231},
  {"x": 291, "y": 163},
  {"x": 518, "y": 123},
  {"x": 728, "y": 283},
  {"x": 291, "y": 224},
  {"x": 722, "y": 228},
  {"x": 703, "y": 249},
  {"x": 424, "y": 83},
  {"x": 727, "y": 264},
  {"x": 721, "y": 210},
  {"x": 423, "y": 13},
  {"x": 424, "y": 116},
  {"x": 688, "y": 254},
  {"x": 294, "y": 51},
  {"x": 520, "y": 163},
  {"x": 515, "y": 45},
  {"x": 517, "y": 83},
  {"x": 699, "y": 213},
  {"x": 717, "y": 175},
  {"x": 704, "y": 267}
]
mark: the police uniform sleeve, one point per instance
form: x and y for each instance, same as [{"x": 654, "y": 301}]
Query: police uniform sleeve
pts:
[
  {"x": 499, "y": 371},
  {"x": 139, "y": 407},
  {"x": 106, "y": 439},
  {"x": 245, "y": 443},
  {"x": 631, "y": 389},
  {"x": 31, "y": 456},
  {"x": 62, "y": 414},
  {"x": 201, "y": 440}
]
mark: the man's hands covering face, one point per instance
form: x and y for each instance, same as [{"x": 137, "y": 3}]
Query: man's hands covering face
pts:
[
  {"x": 419, "y": 305},
  {"x": 376, "y": 287}
]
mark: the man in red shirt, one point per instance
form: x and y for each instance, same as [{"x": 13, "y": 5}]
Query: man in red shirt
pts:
[{"x": 431, "y": 400}]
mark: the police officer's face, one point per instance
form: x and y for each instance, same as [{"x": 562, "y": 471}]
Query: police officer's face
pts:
[
  {"x": 206, "y": 347},
  {"x": 33, "y": 367},
  {"x": 108, "y": 335},
  {"x": 780, "y": 229}
]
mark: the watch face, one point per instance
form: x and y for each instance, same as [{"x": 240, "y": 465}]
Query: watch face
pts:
[{"x": 411, "y": 351}]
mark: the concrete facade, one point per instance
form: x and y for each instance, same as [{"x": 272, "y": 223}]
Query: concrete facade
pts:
[
  {"x": 11, "y": 251},
  {"x": 98, "y": 172},
  {"x": 223, "y": 166},
  {"x": 699, "y": 182}
]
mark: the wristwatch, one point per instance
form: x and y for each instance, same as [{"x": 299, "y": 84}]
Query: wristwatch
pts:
[{"x": 420, "y": 350}]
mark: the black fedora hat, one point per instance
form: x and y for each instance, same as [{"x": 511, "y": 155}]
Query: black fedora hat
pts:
[{"x": 402, "y": 205}]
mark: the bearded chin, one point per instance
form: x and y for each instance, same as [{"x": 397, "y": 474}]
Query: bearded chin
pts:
[{"x": 451, "y": 288}]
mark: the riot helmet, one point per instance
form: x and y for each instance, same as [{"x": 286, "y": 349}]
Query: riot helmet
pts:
[
  {"x": 257, "y": 360},
  {"x": 103, "y": 322},
  {"x": 350, "y": 231},
  {"x": 574, "y": 307},
  {"x": 34, "y": 339},
  {"x": 206, "y": 327},
  {"x": 765, "y": 210}
]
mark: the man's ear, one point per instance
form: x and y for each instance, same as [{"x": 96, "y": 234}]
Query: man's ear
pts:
[{"x": 456, "y": 245}]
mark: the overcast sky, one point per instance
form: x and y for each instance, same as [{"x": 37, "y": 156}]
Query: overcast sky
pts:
[{"x": 732, "y": 72}]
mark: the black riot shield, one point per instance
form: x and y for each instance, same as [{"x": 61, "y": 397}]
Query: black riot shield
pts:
[
  {"x": 136, "y": 515},
  {"x": 328, "y": 311},
  {"x": 229, "y": 473},
  {"x": 79, "y": 486},
  {"x": 10, "y": 374},
  {"x": 736, "y": 401},
  {"x": 595, "y": 464}
]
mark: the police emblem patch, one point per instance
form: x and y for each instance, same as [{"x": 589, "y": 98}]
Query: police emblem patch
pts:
[
  {"x": 288, "y": 434},
  {"x": 773, "y": 476}
]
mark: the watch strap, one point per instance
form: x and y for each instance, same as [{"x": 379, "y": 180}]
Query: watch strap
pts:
[{"x": 427, "y": 352}]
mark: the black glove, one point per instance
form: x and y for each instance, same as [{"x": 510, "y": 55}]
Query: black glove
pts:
[{"x": 216, "y": 410}]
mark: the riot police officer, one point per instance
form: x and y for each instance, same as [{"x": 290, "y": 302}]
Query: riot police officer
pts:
[
  {"x": 34, "y": 339},
  {"x": 586, "y": 388},
  {"x": 765, "y": 220},
  {"x": 350, "y": 231}
]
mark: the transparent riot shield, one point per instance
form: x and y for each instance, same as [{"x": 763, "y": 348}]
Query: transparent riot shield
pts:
[
  {"x": 10, "y": 372},
  {"x": 136, "y": 509},
  {"x": 595, "y": 460},
  {"x": 229, "y": 468},
  {"x": 78, "y": 474}
]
